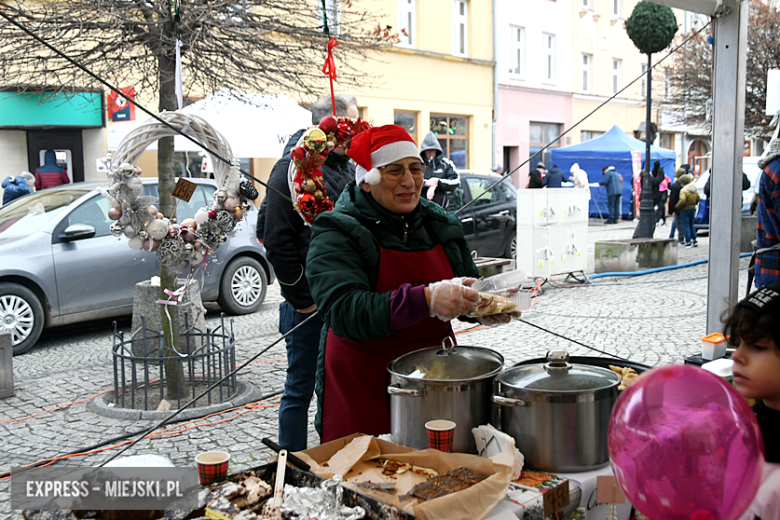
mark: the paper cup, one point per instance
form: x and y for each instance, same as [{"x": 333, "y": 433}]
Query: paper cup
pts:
[
  {"x": 441, "y": 433},
  {"x": 212, "y": 465}
]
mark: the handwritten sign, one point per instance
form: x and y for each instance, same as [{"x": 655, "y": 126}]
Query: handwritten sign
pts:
[
  {"x": 556, "y": 498},
  {"x": 184, "y": 189},
  {"x": 609, "y": 491}
]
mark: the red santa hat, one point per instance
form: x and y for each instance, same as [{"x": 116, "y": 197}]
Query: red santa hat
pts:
[{"x": 379, "y": 146}]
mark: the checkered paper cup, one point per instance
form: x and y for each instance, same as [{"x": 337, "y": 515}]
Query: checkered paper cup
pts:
[
  {"x": 441, "y": 433},
  {"x": 212, "y": 465}
]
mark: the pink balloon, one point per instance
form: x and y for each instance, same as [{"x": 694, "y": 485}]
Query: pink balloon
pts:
[{"x": 685, "y": 445}]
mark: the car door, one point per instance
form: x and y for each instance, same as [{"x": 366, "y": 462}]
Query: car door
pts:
[
  {"x": 98, "y": 274},
  {"x": 490, "y": 217}
]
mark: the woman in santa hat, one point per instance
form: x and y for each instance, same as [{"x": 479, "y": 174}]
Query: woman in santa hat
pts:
[{"x": 385, "y": 268}]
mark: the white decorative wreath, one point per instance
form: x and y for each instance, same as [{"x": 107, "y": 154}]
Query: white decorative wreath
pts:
[{"x": 186, "y": 244}]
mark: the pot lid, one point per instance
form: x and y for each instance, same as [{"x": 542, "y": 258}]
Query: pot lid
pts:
[
  {"x": 558, "y": 375},
  {"x": 447, "y": 363}
]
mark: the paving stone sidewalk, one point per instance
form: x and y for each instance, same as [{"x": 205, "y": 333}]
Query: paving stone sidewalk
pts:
[{"x": 656, "y": 319}]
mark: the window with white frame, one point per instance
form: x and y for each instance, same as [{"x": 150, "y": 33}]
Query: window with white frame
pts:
[
  {"x": 517, "y": 48},
  {"x": 617, "y": 8},
  {"x": 643, "y": 82},
  {"x": 617, "y": 75},
  {"x": 586, "y": 4},
  {"x": 548, "y": 65},
  {"x": 330, "y": 17},
  {"x": 460, "y": 27},
  {"x": 406, "y": 23},
  {"x": 587, "y": 60}
]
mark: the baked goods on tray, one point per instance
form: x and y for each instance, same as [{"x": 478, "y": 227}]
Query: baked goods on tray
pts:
[{"x": 441, "y": 485}]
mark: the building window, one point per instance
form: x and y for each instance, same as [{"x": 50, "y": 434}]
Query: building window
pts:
[
  {"x": 330, "y": 17},
  {"x": 587, "y": 135},
  {"x": 459, "y": 27},
  {"x": 666, "y": 140},
  {"x": 453, "y": 134},
  {"x": 586, "y": 78},
  {"x": 517, "y": 47},
  {"x": 548, "y": 47},
  {"x": 406, "y": 23},
  {"x": 586, "y": 4},
  {"x": 407, "y": 120},
  {"x": 541, "y": 135},
  {"x": 617, "y": 75},
  {"x": 617, "y": 10},
  {"x": 643, "y": 82}
]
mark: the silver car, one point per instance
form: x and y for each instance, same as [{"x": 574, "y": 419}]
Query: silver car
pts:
[{"x": 59, "y": 264}]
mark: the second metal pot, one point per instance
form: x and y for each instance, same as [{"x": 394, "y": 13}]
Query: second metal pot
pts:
[
  {"x": 448, "y": 382},
  {"x": 558, "y": 412}
]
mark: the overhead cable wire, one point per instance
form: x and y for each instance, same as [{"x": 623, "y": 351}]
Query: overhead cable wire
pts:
[{"x": 575, "y": 125}]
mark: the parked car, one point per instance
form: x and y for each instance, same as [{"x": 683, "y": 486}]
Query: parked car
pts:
[
  {"x": 490, "y": 223},
  {"x": 61, "y": 265}
]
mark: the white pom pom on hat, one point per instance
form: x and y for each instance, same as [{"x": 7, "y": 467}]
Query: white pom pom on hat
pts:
[{"x": 379, "y": 146}]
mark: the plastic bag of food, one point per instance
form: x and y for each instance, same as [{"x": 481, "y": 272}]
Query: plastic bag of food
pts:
[{"x": 503, "y": 293}]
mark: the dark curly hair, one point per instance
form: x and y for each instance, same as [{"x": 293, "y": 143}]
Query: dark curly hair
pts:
[{"x": 747, "y": 325}]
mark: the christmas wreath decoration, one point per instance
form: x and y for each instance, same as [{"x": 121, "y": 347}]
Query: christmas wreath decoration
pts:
[
  {"x": 307, "y": 186},
  {"x": 179, "y": 245},
  {"x": 651, "y": 27}
]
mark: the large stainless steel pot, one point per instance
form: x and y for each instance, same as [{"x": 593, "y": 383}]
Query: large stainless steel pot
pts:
[
  {"x": 458, "y": 386},
  {"x": 558, "y": 412}
]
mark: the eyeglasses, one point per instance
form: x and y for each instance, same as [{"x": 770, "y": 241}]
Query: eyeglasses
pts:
[{"x": 394, "y": 172}]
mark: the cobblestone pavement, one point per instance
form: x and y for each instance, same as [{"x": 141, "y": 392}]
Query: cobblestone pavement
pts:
[{"x": 656, "y": 319}]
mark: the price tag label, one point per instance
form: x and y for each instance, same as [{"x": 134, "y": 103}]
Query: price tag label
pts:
[
  {"x": 556, "y": 498},
  {"x": 608, "y": 490},
  {"x": 184, "y": 189}
]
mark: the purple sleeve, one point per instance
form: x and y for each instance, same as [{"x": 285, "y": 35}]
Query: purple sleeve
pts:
[{"x": 407, "y": 306}]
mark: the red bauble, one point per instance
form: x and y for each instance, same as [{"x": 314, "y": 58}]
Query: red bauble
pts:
[
  {"x": 212, "y": 213},
  {"x": 328, "y": 124},
  {"x": 298, "y": 153},
  {"x": 306, "y": 202}
]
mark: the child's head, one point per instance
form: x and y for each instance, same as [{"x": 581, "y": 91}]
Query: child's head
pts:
[{"x": 754, "y": 327}]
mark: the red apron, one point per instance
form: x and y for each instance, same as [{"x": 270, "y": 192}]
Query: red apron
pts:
[{"x": 355, "y": 396}]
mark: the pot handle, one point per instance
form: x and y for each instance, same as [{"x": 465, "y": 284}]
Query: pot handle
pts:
[
  {"x": 508, "y": 401},
  {"x": 406, "y": 392}
]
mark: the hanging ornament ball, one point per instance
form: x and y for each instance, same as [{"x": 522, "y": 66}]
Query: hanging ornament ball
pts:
[
  {"x": 190, "y": 223},
  {"x": 188, "y": 235},
  {"x": 331, "y": 145},
  {"x": 238, "y": 213},
  {"x": 137, "y": 171},
  {"x": 116, "y": 229},
  {"x": 130, "y": 231},
  {"x": 114, "y": 213},
  {"x": 297, "y": 153},
  {"x": 201, "y": 216},
  {"x": 231, "y": 203},
  {"x": 150, "y": 245},
  {"x": 318, "y": 195},
  {"x": 225, "y": 220},
  {"x": 314, "y": 139},
  {"x": 135, "y": 183},
  {"x": 152, "y": 210},
  {"x": 212, "y": 213},
  {"x": 248, "y": 190},
  {"x": 309, "y": 186},
  {"x": 159, "y": 216},
  {"x": 328, "y": 124},
  {"x": 197, "y": 245},
  {"x": 135, "y": 243},
  {"x": 157, "y": 229}
]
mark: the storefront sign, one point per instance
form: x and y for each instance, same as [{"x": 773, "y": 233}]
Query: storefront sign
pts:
[
  {"x": 119, "y": 108},
  {"x": 72, "y": 109}
]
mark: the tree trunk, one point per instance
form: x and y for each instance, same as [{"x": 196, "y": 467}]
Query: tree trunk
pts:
[{"x": 175, "y": 384}]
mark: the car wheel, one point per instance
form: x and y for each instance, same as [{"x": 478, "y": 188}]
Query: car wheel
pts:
[
  {"x": 243, "y": 286},
  {"x": 21, "y": 316},
  {"x": 511, "y": 248}
]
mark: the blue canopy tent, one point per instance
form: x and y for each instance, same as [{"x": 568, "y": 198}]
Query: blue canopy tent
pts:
[{"x": 611, "y": 149}]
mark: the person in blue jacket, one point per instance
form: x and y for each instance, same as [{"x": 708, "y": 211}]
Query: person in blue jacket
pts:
[
  {"x": 19, "y": 186},
  {"x": 554, "y": 178},
  {"x": 611, "y": 180}
]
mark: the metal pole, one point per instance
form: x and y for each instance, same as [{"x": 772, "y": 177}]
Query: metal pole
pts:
[
  {"x": 646, "y": 226},
  {"x": 730, "y": 48}
]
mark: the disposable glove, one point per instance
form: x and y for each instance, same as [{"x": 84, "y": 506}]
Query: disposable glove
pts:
[
  {"x": 498, "y": 319},
  {"x": 452, "y": 298}
]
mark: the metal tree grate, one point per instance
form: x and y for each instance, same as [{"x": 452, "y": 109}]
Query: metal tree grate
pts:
[{"x": 140, "y": 360}]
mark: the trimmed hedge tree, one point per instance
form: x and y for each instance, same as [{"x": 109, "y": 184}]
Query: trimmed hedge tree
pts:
[{"x": 651, "y": 27}]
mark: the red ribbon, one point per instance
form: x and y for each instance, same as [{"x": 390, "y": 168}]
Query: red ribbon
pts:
[{"x": 329, "y": 67}]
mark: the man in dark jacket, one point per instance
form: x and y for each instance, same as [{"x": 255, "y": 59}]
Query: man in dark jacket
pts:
[
  {"x": 441, "y": 177},
  {"x": 554, "y": 178},
  {"x": 536, "y": 177},
  {"x": 50, "y": 174},
  {"x": 286, "y": 239},
  {"x": 614, "y": 187},
  {"x": 19, "y": 186}
]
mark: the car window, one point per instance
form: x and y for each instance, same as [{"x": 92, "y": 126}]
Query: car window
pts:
[
  {"x": 509, "y": 191},
  {"x": 93, "y": 213},
  {"x": 456, "y": 200},
  {"x": 477, "y": 188},
  {"x": 28, "y": 214}
]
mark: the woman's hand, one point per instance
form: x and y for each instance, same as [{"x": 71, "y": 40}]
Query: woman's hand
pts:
[{"x": 449, "y": 299}]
